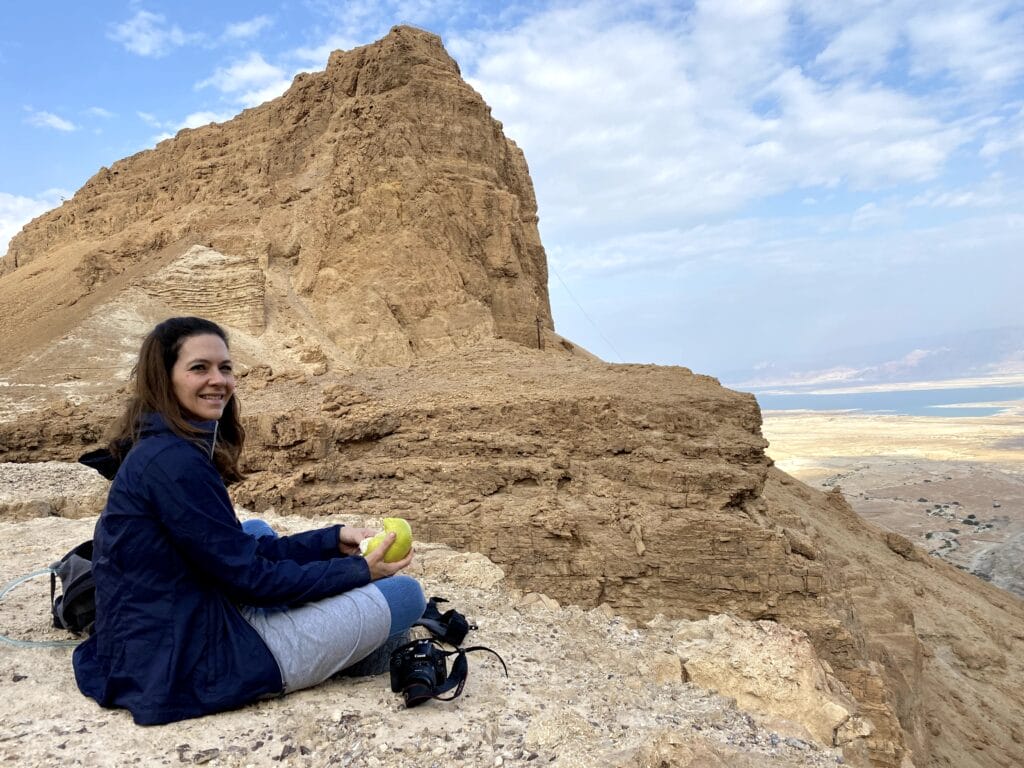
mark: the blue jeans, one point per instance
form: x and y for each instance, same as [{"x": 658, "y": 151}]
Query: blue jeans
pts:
[{"x": 403, "y": 593}]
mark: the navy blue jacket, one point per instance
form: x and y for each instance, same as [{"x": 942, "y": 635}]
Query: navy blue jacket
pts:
[{"x": 170, "y": 562}]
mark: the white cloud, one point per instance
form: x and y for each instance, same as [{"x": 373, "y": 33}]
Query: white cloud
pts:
[
  {"x": 246, "y": 29},
  {"x": 662, "y": 249},
  {"x": 148, "y": 118},
  {"x": 257, "y": 96},
  {"x": 199, "y": 119},
  {"x": 49, "y": 120},
  {"x": 978, "y": 43},
  {"x": 16, "y": 211},
  {"x": 629, "y": 118},
  {"x": 869, "y": 240},
  {"x": 990, "y": 193},
  {"x": 356, "y": 18},
  {"x": 872, "y": 215},
  {"x": 317, "y": 55},
  {"x": 867, "y": 136},
  {"x": 106, "y": 114},
  {"x": 149, "y": 34},
  {"x": 249, "y": 81},
  {"x": 192, "y": 120},
  {"x": 1004, "y": 136},
  {"x": 862, "y": 48}
]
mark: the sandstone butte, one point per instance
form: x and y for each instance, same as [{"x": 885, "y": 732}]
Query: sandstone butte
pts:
[{"x": 370, "y": 240}]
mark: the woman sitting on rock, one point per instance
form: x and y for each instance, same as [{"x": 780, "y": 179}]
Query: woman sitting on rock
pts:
[{"x": 196, "y": 612}]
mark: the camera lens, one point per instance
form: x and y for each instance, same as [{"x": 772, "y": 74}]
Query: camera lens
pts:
[
  {"x": 416, "y": 693},
  {"x": 417, "y": 671}
]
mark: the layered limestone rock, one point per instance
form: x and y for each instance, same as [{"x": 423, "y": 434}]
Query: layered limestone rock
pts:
[
  {"x": 227, "y": 290},
  {"x": 370, "y": 241}
]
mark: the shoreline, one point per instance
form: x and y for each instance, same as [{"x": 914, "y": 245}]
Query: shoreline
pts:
[
  {"x": 824, "y": 387},
  {"x": 803, "y": 440}
]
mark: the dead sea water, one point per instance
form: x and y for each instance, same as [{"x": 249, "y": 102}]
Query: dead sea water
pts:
[{"x": 942, "y": 402}]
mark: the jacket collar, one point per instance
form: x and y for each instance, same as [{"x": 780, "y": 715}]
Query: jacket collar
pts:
[{"x": 206, "y": 436}]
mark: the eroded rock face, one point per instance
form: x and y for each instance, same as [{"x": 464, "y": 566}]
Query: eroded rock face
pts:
[
  {"x": 647, "y": 489},
  {"x": 636, "y": 486},
  {"x": 377, "y": 199}
]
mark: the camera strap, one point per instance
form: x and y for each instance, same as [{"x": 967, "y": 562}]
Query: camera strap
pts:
[
  {"x": 460, "y": 670},
  {"x": 428, "y": 651}
]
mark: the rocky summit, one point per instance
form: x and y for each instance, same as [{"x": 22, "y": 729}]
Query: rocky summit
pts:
[
  {"x": 377, "y": 201},
  {"x": 370, "y": 241}
]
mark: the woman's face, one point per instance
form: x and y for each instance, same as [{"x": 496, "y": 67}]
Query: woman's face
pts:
[{"x": 202, "y": 377}]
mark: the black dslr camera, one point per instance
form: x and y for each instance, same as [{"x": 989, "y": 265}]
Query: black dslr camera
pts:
[{"x": 418, "y": 671}]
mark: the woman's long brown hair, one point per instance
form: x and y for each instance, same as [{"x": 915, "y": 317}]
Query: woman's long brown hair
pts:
[{"x": 154, "y": 393}]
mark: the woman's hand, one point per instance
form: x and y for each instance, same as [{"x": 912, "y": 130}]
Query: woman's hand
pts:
[
  {"x": 349, "y": 538},
  {"x": 378, "y": 568}
]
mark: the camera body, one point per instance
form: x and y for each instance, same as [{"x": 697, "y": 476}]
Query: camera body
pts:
[{"x": 418, "y": 671}]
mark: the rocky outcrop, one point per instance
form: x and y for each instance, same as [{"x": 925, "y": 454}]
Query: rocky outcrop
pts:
[
  {"x": 379, "y": 200},
  {"x": 636, "y": 486},
  {"x": 1003, "y": 565},
  {"x": 646, "y": 490},
  {"x": 50, "y": 489},
  {"x": 773, "y": 671},
  {"x": 610, "y": 474}
]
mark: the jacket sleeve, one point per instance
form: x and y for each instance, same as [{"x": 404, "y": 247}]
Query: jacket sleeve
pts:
[
  {"x": 193, "y": 505},
  {"x": 304, "y": 547}
]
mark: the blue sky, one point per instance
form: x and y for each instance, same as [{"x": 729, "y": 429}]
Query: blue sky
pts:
[{"x": 732, "y": 186}]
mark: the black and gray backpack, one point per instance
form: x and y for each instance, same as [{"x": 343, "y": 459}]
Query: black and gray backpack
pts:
[{"x": 75, "y": 608}]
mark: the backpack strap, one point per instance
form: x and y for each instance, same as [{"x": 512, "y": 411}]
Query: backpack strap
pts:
[{"x": 53, "y": 601}]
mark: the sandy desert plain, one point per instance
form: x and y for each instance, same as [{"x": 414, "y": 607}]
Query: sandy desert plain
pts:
[{"x": 953, "y": 485}]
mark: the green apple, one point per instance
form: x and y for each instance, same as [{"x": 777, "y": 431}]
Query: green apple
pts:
[{"x": 399, "y": 547}]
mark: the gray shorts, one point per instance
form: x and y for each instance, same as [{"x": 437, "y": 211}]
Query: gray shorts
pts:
[{"x": 311, "y": 642}]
